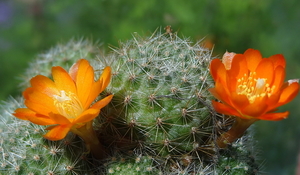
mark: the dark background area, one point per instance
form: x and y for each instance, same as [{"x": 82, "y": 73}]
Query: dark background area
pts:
[{"x": 30, "y": 27}]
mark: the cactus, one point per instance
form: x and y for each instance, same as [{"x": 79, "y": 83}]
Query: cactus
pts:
[{"x": 160, "y": 120}]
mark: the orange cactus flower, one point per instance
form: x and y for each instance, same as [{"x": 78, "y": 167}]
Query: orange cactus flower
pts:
[
  {"x": 65, "y": 102},
  {"x": 251, "y": 87}
]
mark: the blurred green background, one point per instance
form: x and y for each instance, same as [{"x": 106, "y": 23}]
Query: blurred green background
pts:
[{"x": 29, "y": 27}]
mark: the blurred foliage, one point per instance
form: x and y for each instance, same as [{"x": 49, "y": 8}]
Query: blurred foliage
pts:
[{"x": 28, "y": 27}]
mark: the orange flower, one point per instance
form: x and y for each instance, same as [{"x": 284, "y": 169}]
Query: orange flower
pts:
[
  {"x": 251, "y": 87},
  {"x": 65, "y": 102}
]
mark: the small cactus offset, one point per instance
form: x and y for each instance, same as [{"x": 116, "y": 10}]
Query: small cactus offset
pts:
[{"x": 163, "y": 117}]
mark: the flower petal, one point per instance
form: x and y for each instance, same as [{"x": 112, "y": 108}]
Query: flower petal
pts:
[
  {"x": 87, "y": 116},
  {"x": 57, "y": 132},
  {"x": 220, "y": 92},
  {"x": 44, "y": 85},
  {"x": 278, "y": 60},
  {"x": 95, "y": 91},
  {"x": 217, "y": 70},
  {"x": 103, "y": 102},
  {"x": 274, "y": 116},
  {"x": 84, "y": 81},
  {"x": 27, "y": 114},
  {"x": 238, "y": 66},
  {"x": 255, "y": 109},
  {"x": 279, "y": 74},
  {"x": 59, "y": 119},
  {"x": 272, "y": 101},
  {"x": 239, "y": 101},
  {"x": 224, "y": 109},
  {"x": 38, "y": 101},
  {"x": 62, "y": 80},
  {"x": 265, "y": 69},
  {"x": 289, "y": 92},
  {"x": 253, "y": 58},
  {"x": 99, "y": 86},
  {"x": 105, "y": 78},
  {"x": 22, "y": 113},
  {"x": 238, "y": 70}
]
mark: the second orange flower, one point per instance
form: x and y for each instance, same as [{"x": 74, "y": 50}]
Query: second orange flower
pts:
[{"x": 251, "y": 87}]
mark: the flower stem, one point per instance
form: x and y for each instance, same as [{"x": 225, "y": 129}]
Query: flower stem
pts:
[
  {"x": 91, "y": 140},
  {"x": 236, "y": 131}
]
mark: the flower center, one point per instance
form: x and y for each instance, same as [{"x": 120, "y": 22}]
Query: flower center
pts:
[
  {"x": 254, "y": 87},
  {"x": 68, "y": 104}
]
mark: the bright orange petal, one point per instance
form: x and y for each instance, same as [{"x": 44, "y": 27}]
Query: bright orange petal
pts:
[
  {"x": 253, "y": 58},
  {"x": 238, "y": 69},
  {"x": 274, "y": 116},
  {"x": 272, "y": 101},
  {"x": 59, "y": 119},
  {"x": 44, "y": 85},
  {"x": 95, "y": 91},
  {"x": 87, "y": 116},
  {"x": 217, "y": 70},
  {"x": 289, "y": 92},
  {"x": 214, "y": 92},
  {"x": 278, "y": 60},
  {"x": 99, "y": 86},
  {"x": 279, "y": 74},
  {"x": 39, "y": 102},
  {"x": 224, "y": 109},
  {"x": 239, "y": 66},
  {"x": 22, "y": 113},
  {"x": 84, "y": 81},
  {"x": 265, "y": 69},
  {"x": 239, "y": 101},
  {"x": 255, "y": 109},
  {"x": 62, "y": 80},
  {"x": 103, "y": 102},
  {"x": 41, "y": 120},
  {"x": 220, "y": 92},
  {"x": 27, "y": 114},
  {"x": 57, "y": 132},
  {"x": 105, "y": 77}
]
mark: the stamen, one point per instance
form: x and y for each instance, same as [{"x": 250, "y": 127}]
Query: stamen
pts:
[
  {"x": 62, "y": 97},
  {"x": 68, "y": 104},
  {"x": 253, "y": 87}
]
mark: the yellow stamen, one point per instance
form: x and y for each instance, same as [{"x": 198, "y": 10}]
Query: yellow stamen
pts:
[
  {"x": 68, "y": 104},
  {"x": 253, "y": 87}
]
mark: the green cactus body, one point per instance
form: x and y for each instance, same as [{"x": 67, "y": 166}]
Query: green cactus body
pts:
[
  {"x": 160, "y": 98},
  {"x": 159, "y": 121}
]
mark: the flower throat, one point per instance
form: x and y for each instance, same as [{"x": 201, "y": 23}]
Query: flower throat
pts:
[{"x": 253, "y": 87}]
